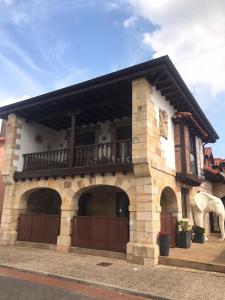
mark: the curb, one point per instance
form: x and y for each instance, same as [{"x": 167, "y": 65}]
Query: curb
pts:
[{"x": 88, "y": 283}]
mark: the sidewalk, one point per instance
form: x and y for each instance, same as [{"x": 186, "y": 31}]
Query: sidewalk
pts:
[{"x": 160, "y": 281}]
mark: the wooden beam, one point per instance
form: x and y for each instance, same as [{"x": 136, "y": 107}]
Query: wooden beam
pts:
[
  {"x": 164, "y": 84},
  {"x": 80, "y": 108},
  {"x": 87, "y": 86},
  {"x": 169, "y": 94}
]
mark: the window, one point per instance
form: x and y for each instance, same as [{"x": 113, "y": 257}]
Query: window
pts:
[
  {"x": 184, "y": 198},
  {"x": 193, "y": 165},
  {"x": 123, "y": 133},
  {"x": 82, "y": 139}
]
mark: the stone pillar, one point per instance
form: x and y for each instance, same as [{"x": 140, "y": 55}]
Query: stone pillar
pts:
[
  {"x": 10, "y": 213},
  {"x": 147, "y": 224},
  {"x": 68, "y": 211},
  {"x": 145, "y": 152},
  {"x": 132, "y": 233}
]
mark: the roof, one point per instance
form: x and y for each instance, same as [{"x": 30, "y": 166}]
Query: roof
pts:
[
  {"x": 218, "y": 161},
  {"x": 188, "y": 117},
  {"x": 160, "y": 72}
]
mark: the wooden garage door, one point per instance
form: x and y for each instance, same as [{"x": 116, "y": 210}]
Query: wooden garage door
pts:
[
  {"x": 38, "y": 228},
  {"x": 169, "y": 227},
  {"x": 100, "y": 233}
]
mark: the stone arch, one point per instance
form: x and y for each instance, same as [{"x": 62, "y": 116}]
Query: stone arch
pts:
[
  {"x": 44, "y": 201},
  {"x": 39, "y": 215},
  {"x": 99, "y": 188},
  {"x": 169, "y": 214},
  {"x": 124, "y": 186},
  {"x": 101, "y": 218},
  {"x": 79, "y": 186},
  {"x": 168, "y": 201},
  {"x": 23, "y": 194}
]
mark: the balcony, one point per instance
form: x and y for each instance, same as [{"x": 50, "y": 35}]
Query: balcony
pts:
[{"x": 89, "y": 159}]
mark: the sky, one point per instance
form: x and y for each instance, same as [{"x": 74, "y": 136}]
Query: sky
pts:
[{"x": 50, "y": 44}]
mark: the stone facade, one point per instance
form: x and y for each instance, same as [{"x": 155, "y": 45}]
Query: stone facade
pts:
[{"x": 143, "y": 186}]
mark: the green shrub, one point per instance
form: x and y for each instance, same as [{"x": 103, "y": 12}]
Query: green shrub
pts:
[
  {"x": 183, "y": 225},
  {"x": 198, "y": 229}
]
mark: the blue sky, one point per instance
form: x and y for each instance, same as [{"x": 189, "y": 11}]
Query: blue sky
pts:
[{"x": 49, "y": 44}]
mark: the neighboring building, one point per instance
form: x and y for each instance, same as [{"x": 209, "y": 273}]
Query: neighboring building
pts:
[
  {"x": 214, "y": 169},
  {"x": 105, "y": 164}
]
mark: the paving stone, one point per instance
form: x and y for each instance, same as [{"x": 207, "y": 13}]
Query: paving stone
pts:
[{"x": 158, "y": 281}]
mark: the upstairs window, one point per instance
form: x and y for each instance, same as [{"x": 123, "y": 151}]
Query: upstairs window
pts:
[
  {"x": 193, "y": 161},
  {"x": 184, "y": 198}
]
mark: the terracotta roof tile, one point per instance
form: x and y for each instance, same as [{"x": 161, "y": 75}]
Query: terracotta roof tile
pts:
[{"x": 189, "y": 117}]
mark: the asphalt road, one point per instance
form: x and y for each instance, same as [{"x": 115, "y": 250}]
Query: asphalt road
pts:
[
  {"x": 20, "y": 285},
  {"x": 16, "y": 289}
]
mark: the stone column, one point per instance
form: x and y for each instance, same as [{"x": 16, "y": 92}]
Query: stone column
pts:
[
  {"x": 68, "y": 211},
  {"x": 132, "y": 233},
  {"x": 8, "y": 230},
  {"x": 145, "y": 152}
]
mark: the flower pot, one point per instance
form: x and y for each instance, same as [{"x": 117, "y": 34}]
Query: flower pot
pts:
[
  {"x": 164, "y": 243},
  {"x": 184, "y": 239},
  {"x": 199, "y": 238}
]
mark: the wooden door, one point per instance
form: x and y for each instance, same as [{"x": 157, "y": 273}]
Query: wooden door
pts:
[{"x": 169, "y": 227}]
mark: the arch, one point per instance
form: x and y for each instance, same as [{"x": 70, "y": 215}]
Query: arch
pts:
[
  {"x": 168, "y": 201},
  {"x": 23, "y": 192},
  {"x": 30, "y": 199},
  {"x": 102, "y": 220},
  {"x": 169, "y": 211},
  {"x": 103, "y": 200},
  {"x": 44, "y": 201},
  {"x": 114, "y": 181},
  {"x": 39, "y": 220}
]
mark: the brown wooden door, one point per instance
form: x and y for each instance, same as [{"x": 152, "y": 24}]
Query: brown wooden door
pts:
[
  {"x": 100, "y": 233},
  {"x": 169, "y": 227},
  {"x": 38, "y": 228}
]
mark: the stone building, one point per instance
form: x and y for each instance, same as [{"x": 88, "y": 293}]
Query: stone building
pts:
[{"x": 105, "y": 164}]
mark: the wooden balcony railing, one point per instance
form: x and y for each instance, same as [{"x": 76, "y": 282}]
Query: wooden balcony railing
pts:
[{"x": 118, "y": 152}]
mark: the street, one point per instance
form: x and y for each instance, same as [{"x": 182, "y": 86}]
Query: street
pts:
[{"x": 17, "y": 285}]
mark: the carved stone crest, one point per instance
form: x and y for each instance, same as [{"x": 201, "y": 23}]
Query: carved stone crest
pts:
[{"x": 163, "y": 123}]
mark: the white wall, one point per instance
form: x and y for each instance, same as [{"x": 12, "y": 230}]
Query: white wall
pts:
[
  {"x": 199, "y": 155},
  {"x": 51, "y": 140},
  {"x": 167, "y": 145}
]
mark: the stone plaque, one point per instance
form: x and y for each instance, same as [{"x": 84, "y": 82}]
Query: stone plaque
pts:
[{"x": 163, "y": 123}]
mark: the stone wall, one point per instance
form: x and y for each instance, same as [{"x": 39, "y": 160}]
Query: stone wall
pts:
[
  {"x": 70, "y": 190},
  {"x": 143, "y": 187}
]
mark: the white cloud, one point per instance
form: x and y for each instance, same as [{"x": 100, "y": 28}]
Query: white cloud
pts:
[
  {"x": 21, "y": 81},
  {"x": 74, "y": 75},
  {"x": 7, "y": 2},
  {"x": 129, "y": 22},
  {"x": 5, "y": 41},
  {"x": 111, "y": 5},
  {"x": 187, "y": 31},
  {"x": 13, "y": 100}
]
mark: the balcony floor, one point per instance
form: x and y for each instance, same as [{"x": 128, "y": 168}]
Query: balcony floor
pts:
[{"x": 102, "y": 169}]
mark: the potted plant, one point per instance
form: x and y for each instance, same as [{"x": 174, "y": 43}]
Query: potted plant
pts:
[
  {"x": 164, "y": 243},
  {"x": 199, "y": 236},
  {"x": 184, "y": 234}
]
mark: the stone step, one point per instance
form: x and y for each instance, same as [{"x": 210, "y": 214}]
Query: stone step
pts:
[{"x": 168, "y": 261}]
